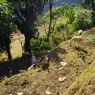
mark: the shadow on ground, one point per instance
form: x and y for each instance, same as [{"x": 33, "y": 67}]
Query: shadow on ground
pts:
[
  {"x": 21, "y": 64},
  {"x": 10, "y": 68}
]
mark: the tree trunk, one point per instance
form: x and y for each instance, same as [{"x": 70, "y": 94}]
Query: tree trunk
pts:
[
  {"x": 9, "y": 55},
  {"x": 45, "y": 28},
  {"x": 10, "y": 63},
  {"x": 9, "y": 52},
  {"x": 50, "y": 24},
  {"x": 93, "y": 7},
  {"x": 27, "y": 44}
]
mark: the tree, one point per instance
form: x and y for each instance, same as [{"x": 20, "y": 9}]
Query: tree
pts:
[
  {"x": 6, "y": 27},
  {"x": 50, "y": 24},
  {"x": 23, "y": 14},
  {"x": 92, "y": 3},
  {"x": 26, "y": 13},
  {"x": 88, "y": 2}
]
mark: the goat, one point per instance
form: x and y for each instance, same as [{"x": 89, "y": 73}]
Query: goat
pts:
[
  {"x": 80, "y": 32},
  {"x": 76, "y": 38},
  {"x": 43, "y": 63}
]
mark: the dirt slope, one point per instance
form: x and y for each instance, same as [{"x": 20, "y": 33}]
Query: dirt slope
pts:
[{"x": 79, "y": 73}]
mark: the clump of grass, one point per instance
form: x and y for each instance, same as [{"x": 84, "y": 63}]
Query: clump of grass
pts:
[
  {"x": 91, "y": 40},
  {"x": 82, "y": 80}
]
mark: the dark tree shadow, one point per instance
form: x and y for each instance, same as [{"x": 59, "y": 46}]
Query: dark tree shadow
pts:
[{"x": 10, "y": 68}]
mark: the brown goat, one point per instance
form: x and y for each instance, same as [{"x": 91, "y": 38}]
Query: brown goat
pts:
[{"x": 43, "y": 63}]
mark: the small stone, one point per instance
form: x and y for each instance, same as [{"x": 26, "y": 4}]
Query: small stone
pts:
[
  {"x": 31, "y": 67},
  {"x": 48, "y": 92},
  {"x": 20, "y": 93},
  {"x": 61, "y": 68},
  {"x": 61, "y": 79},
  {"x": 63, "y": 63}
]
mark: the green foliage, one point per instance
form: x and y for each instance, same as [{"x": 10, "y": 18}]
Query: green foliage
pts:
[
  {"x": 57, "y": 33},
  {"x": 39, "y": 46},
  {"x": 6, "y": 23},
  {"x": 59, "y": 27},
  {"x": 56, "y": 13},
  {"x": 70, "y": 14},
  {"x": 5, "y": 16},
  {"x": 82, "y": 20},
  {"x": 75, "y": 17},
  {"x": 21, "y": 12},
  {"x": 78, "y": 8},
  {"x": 89, "y": 3},
  {"x": 57, "y": 37},
  {"x": 86, "y": 1}
]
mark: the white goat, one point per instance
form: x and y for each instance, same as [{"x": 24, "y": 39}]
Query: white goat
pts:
[
  {"x": 80, "y": 32},
  {"x": 76, "y": 38}
]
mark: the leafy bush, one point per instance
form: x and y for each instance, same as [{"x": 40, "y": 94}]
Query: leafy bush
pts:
[
  {"x": 59, "y": 27},
  {"x": 56, "y": 39},
  {"x": 56, "y": 13},
  {"x": 70, "y": 14},
  {"x": 82, "y": 20},
  {"x": 57, "y": 34},
  {"x": 39, "y": 45}
]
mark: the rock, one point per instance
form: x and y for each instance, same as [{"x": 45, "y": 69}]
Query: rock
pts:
[
  {"x": 61, "y": 79},
  {"x": 31, "y": 67},
  {"x": 20, "y": 93},
  {"x": 61, "y": 68},
  {"x": 15, "y": 51},
  {"x": 48, "y": 92},
  {"x": 63, "y": 63}
]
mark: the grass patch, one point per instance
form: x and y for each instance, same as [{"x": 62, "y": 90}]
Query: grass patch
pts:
[
  {"x": 87, "y": 74},
  {"x": 77, "y": 87},
  {"x": 91, "y": 39}
]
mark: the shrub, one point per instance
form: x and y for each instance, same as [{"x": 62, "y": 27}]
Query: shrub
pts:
[
  {"x": 39, "y": 45},
  {"x": 59, "y": 27},
  {"x": 82, "y": 20},
  {"x": 56, "y": 13},
  {"x": 57, "y": 37},
  {"x": 70, "y": 14}
]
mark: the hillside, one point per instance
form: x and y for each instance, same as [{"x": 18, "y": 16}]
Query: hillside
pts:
[{"x": 78, "y": 74}]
